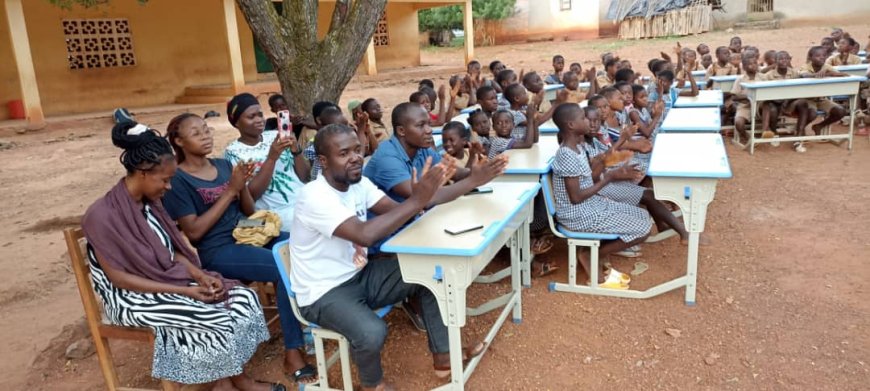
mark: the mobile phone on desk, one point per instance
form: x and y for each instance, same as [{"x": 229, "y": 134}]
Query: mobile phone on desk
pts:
[
  {"x": 284, "y": 124},
  {"x": 461, "y": 229},
  {"x": 480, "y": 190}
]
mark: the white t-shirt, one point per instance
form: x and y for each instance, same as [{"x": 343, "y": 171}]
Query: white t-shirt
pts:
[
  {"x": 280, "y": 196},
  {"x": 320, "y": 260}
]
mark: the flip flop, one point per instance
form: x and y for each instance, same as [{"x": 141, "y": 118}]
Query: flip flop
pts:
[
  {"x": 542, "y": 245},
  {"x": 613, "y": 281},
  {"x": 442, "y": 371},
  {"x": 546, "y": 268},
  {"x": 306, "y": 372}
]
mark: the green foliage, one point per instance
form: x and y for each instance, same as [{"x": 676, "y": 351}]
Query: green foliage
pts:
[
  {"x": 69, "y": 4},
  {"x": 450, "y": 17}
]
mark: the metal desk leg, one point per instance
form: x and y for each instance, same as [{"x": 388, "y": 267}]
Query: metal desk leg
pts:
[
  {"x": 753, "y": 112},
  {"x": 853, "y": 111},
  {"x": 692, "y": 268},
  {"x": 516, "y": 265}
]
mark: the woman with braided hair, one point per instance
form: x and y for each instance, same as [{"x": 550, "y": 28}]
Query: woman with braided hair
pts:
[{"x": 206, "y": 327}]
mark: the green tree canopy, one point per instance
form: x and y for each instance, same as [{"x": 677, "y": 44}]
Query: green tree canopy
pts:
[{"x": 450, "y": 17}]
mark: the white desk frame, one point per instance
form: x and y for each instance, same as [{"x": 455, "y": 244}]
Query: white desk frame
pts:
[
  {"x": 761, "y": 91},
  {"x": 425, "y": 259},
  {"x": 685, "y": 169}
]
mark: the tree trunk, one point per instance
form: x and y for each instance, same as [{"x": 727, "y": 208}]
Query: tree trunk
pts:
[{"x": 311, "y": 69}]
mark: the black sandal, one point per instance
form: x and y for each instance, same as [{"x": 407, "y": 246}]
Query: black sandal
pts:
[{"x": 305, "y": 373}]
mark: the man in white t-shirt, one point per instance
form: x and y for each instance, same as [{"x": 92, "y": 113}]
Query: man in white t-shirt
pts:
[{"x": 335, "y": 285}]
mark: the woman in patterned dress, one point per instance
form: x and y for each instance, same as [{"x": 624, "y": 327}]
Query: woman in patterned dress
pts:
[{"x": 206, "y": 327}]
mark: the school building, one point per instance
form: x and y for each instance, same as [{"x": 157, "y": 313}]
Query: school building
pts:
[{"x": 121, "y": 53}]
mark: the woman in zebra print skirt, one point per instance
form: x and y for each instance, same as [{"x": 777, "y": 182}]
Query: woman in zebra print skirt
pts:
[{"x": 206, "y": 327}]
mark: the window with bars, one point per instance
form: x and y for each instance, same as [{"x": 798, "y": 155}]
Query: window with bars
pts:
[
  {"x": 98, "y": 43},
  {"x": 382, "y": 33},
  {"x": 754, "y": 6},
  {"x": 564, "y": 5}
]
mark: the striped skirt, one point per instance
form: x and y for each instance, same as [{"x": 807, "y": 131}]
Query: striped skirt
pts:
[{"x": 194, "y": 342}]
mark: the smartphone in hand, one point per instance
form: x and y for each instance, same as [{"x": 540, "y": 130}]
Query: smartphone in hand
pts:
[{"x": 285, "y": 126}]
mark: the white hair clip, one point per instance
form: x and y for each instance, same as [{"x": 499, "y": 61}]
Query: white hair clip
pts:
[{"x": 137, "y": 130}]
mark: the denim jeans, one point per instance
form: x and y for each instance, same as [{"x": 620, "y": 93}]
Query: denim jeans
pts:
[
  {"x": 251, "y": 263},
  {"x": 347, "y": 309}
]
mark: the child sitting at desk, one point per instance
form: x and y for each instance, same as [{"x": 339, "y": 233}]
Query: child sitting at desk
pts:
[
  {"x": 627, "y": 98},
  {"x": 373, "y": 109},
  {"x": 817, "y": 68},
  {"x": 571, "y": 81},
  {"x": 703, "y": 49},
  {"x": 646, "y": 120},
  {"x": 844, "y": 55},
  {"x": 481, "y": 126},
  {"x": 558, "y": 67},
  {"x": 520, "y": 108},
  {"x": 504, "y": 79},
  {"x": 669, "y": 94},
  {"x": 533, "y": 83},
  {"x": 736, "y": 45},
  {"x": 495, "y": 68},
  {"x": 457, "y": 139},
  {"x": 769, "y": 61},
  {"x": 580, "y": 208},
  {"x": 738, "y": 95},
  {"x": 798, "y": 108},
  {"x": 422, "y": 98},
  {"x": 462, "y": 92},
  {"x": 734, "y": 59},
  {"x": 722, "y": 66},
  {"x": 503, "y": 124},
  {"x": 608, "y": 77}
]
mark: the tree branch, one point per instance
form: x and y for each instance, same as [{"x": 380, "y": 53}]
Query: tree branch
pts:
[{"x": 339, "y": 14}]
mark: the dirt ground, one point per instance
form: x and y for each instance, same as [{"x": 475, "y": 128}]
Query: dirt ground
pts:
[{"x": 782, "y": 295}]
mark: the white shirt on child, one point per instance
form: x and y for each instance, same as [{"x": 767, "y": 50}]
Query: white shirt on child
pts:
[
  {"x": 320, "y": 260},
  {"x": 280, "y": 196}
]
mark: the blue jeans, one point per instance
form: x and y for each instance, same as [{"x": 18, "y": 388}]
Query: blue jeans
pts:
[{"x": 250, "y": 263}]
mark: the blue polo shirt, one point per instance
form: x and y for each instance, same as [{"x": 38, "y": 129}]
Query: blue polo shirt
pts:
[{"x": 390, "y": 165}]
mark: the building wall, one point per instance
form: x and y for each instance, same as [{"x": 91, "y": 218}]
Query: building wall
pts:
[
  {"x": 176, "y": 43},
  {"x": 544, "y": 19}
]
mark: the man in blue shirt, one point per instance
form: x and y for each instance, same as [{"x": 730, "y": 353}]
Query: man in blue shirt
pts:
[{"x": 405, "y": 154}]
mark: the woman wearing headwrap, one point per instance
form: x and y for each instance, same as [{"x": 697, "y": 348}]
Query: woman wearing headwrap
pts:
[
  {"x": 280, "y": 167},
  {"x": 206, "y": 327}
]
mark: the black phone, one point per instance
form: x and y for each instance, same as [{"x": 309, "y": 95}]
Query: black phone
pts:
[
  {"x": 461, "y": 230},
  {"x": 480, "y": 190}
]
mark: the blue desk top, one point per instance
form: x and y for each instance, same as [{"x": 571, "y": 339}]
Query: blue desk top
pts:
[
  {"x": 694, "y": 119},
  {"x": 689, "y": 155},
  {"x": 427, "y": 235},
  {"x": 806, "y": 81},
  {"x": 705, "y": 98},
  {"x": 468, "y": 110},
  {"x": 724, "y": 78},
  {"x": 856, "y": 67},
  {"x": 551, "y": 87}
]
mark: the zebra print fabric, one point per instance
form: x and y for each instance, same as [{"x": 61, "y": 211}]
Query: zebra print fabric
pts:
[{"x": 194, "y": 342}]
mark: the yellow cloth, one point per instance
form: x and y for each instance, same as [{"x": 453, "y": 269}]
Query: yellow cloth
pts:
[
  {"x": 790, "y": 73},
  {"x": 836, "y": 60},
  {"x": 259, "y": 236},
  {"x": 380, "y": 131},
  {"x": 716, "y": 70}
]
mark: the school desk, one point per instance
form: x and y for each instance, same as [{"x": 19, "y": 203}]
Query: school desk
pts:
[
  {"x": 760, "y": 91},
  {"x": 692, "y": 120},
  {"x": 447, "y": 264},
  {"x": 724, "y": 83},
  {"x": 854, "y": 70},
  {"x": 699, "y": 76},
  {"x": 469, "y": 109},
  {"x": 527, "y": 165},
  {"x": 685, "y": 168},
  {"x": 705, "y": 98}
]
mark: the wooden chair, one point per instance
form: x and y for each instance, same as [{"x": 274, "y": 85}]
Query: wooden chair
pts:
[{"x": 101, "y": 330}]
